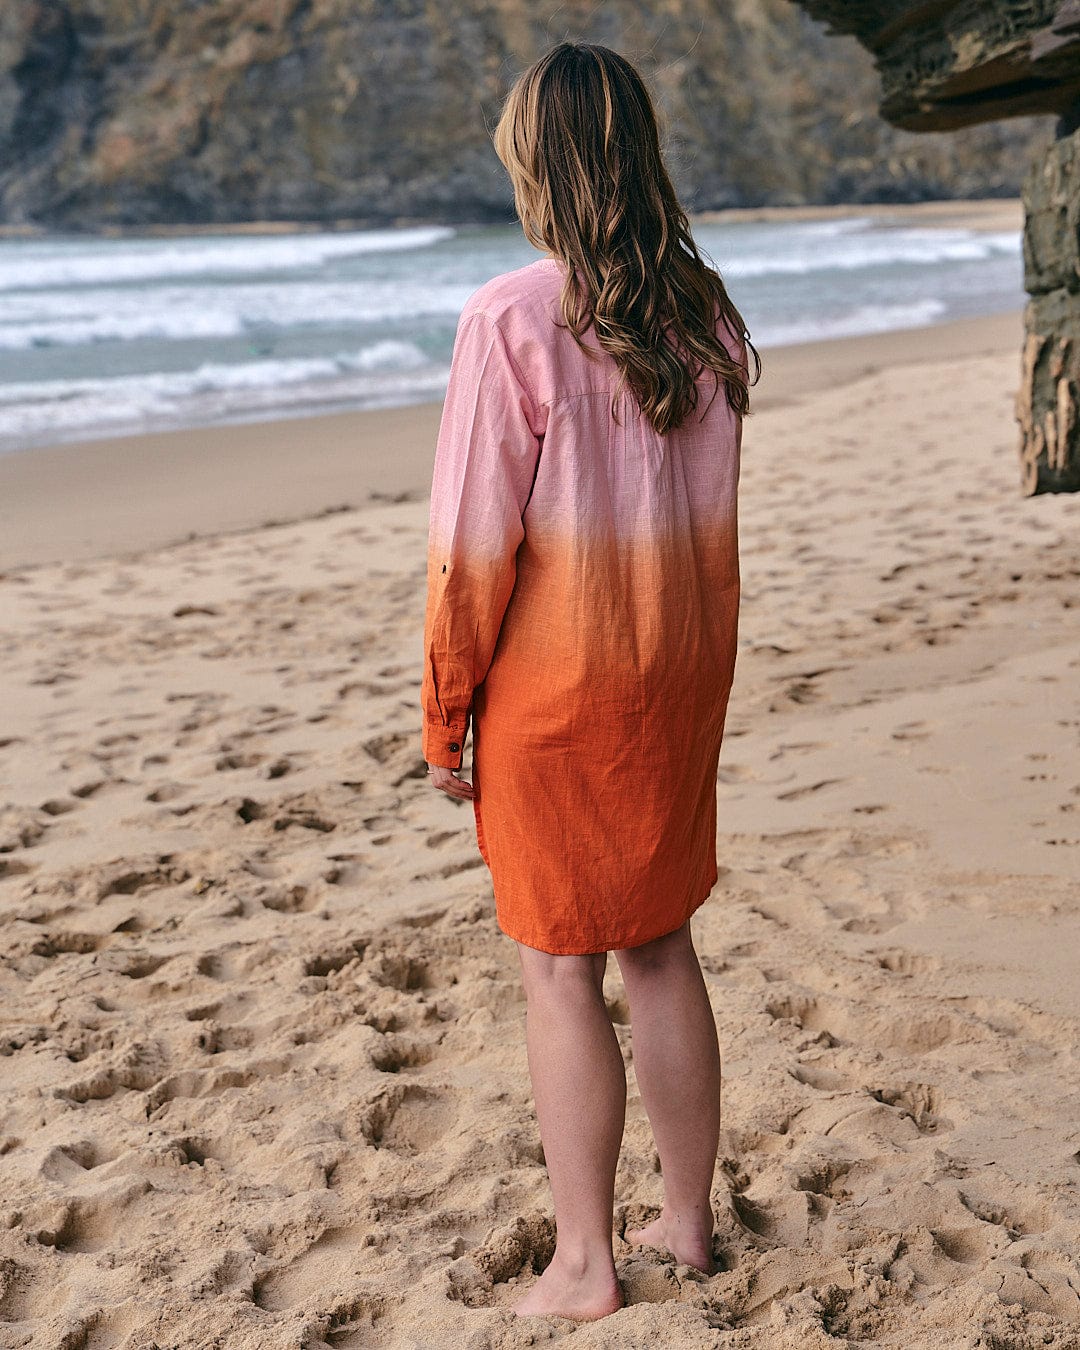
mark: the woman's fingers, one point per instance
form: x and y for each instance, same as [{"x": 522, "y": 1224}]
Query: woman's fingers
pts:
[{"x": 448, "y": 781}]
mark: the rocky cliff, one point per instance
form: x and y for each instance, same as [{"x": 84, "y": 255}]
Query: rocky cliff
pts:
[
  {"x": 130, "y": 112},
  {"x": 947, "y": 64}
]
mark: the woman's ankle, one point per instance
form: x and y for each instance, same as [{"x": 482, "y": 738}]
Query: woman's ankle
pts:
[
  {"x": 584, "y": 1260},
  {"x": 690, "y": 1220}
]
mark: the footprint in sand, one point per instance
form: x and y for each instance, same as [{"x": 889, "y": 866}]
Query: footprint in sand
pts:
[
  {"x": 132, "y": 880},
  {"x": 873, "y": 924},
  {"x": 734, "y": 773},
  {"x": 296, "y": 899},
  {"x": 900, "y": 962},
  {"x": 344, "y": 869},
  {"x": 822, "y": 1078},
  {"x": 911, "y": 731},
  {"x": 797, "y": 748},
  {"x": 20, "y": 828},
  {"x": 1042, "y": 1282},
  {"x": 301, "y": 812},
  {"x": 238, "y": 760},
  {"x": 1017, "y": 1218},
  {"x": 921, "y": 1101},
  {"x": 439, "y": 837},
  {"x": 408, "y": 1118},
  {"x": 311, "y": 1278},
  {"x": 397, "y": 1052},
  {"x": 769, "y": 914},
  {"x": 793, "y": 794},
  {"x": 57, "y": 806},
  {"x": 338, "y": 958},
  {"x": 823, "y": 1176},
  {"x": 12, "y": 867},
  {"x": 448, "y": 870},
  {"x": 851, "y": 1024}
]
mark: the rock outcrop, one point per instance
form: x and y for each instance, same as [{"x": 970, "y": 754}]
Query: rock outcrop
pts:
[
  {"x": 136, "y": 112},
  {"x": 1049, "y": 393},
  {"x": 945, "y": 65},
  {"x": 949, "y": 65}
]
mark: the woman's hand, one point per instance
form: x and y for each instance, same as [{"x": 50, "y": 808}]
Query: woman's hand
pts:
[{"x": 448, "y": 781}]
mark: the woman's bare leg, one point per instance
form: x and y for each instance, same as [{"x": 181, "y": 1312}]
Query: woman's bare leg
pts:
[
  {"x": 677, "y": 1061},
  {"x": 579, "y": 1085}
]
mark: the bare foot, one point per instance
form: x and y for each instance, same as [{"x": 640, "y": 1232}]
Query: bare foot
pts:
[
  {"x": 689, "y": 1243},
  {"x": 580, "y": 1292}
]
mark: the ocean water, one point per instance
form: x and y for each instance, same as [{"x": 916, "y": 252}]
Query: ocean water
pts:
[{"x": 111, "y": 336}]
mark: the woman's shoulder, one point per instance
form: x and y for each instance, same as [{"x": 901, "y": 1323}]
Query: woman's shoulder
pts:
[{"x": 517, "y": 295}]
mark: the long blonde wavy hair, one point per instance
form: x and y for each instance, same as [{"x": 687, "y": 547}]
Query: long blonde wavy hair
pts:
[{"x": 578, "y": 136}]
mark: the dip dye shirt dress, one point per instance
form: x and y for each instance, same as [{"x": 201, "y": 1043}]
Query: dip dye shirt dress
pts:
[{"x": 582, "y": 613}]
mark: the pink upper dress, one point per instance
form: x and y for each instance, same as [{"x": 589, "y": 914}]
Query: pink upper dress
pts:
[{"x": 582, "y": 615}]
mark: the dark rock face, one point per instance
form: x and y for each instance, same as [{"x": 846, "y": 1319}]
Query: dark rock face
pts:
[
  {"x": 1047, "y": 402},
  {"x": 957, "y": 62},
  {"x": 951, "y": 64},
  {"x": 134, "y": 112}
]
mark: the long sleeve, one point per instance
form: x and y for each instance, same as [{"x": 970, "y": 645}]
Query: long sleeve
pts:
[{"x": 486, "y": 456}]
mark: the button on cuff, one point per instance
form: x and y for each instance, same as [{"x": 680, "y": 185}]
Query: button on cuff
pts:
[{"x": 442, "y": 743}]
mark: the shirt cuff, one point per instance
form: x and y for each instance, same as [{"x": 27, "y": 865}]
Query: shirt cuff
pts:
[{"x": 443, "y": 743}]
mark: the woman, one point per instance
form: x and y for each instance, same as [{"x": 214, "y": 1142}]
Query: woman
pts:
[{"x": 583, "y": 595}]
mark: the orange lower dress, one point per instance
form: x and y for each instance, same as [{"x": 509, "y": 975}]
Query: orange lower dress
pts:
[{"x": 582, "y": 615}]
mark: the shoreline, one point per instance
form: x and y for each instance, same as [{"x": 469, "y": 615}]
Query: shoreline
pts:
[
  {"x": 994, "y": 213},
  {"x": 121, "y": 494}
]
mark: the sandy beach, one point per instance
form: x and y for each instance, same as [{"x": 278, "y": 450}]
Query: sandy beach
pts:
[
  {"x": 127, "y": 493},
  {"x": 977, "y": 213},
  {"x": 265, "y": 1084}
]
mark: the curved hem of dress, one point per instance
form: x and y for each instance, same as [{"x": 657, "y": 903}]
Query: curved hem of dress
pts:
[{"x": 595, "y": 951}]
